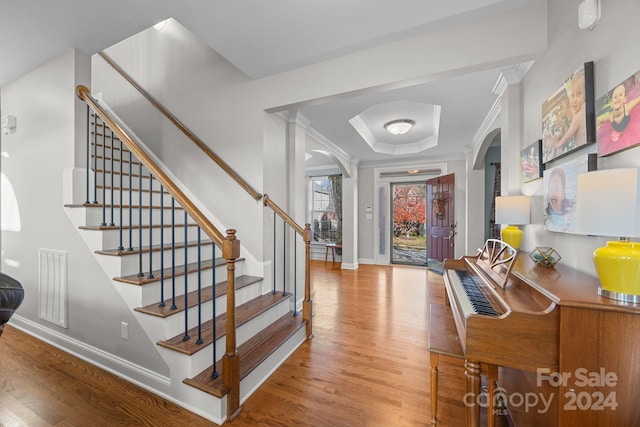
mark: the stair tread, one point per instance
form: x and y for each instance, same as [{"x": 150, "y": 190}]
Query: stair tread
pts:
[
  {"x": 126, "y": 227},
  {"x": 251, "y": 353},
  {"x": 116, "y": 206},
  {"x": 192, "y": 267},
  {"x": 244, "y": 313},
  {"x": 154, "y": 248},
  {"x": 221, "y": 289}
]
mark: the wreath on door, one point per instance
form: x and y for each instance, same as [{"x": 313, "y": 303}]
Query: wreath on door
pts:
[{"x": 437, "y": 204}]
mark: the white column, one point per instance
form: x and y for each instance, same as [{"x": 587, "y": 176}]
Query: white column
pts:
[
  {"x": 296, "y": 191},
  {"x": 350, "y": 218},
  {"x": 474, "y": 223}
]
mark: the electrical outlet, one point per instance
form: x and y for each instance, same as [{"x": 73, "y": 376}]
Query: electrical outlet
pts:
[{"x": 124, "y": 330}]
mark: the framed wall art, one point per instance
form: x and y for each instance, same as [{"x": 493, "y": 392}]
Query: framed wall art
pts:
[
  {"x": 618, "y": 117},
  {"x": 560, "y": 195},
  {"x": 531, "y": 162},
  {"x": 568, "y": 115}
]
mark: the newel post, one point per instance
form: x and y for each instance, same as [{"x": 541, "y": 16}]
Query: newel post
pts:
[
  {"x": 307, "y": 306},
  {"x": 231, "y": 362}
]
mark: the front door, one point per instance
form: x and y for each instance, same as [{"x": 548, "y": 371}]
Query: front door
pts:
[
  {"x": 408, "y": 216},
  {"x": 441, "y": 220}
]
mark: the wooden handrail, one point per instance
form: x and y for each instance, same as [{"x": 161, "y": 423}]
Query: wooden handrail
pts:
[
  {"x": 195, "y": 213},
  {"x": 307, "y": 303},
  {"x": 213, "y": 156},
  {"x": 268, "y": 202}
]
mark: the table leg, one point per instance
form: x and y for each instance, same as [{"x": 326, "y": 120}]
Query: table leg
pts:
[
  {"x": 472, "y": 372},
  {"x": 492, "y": 379},
  {"x": 434, "y": 360}
]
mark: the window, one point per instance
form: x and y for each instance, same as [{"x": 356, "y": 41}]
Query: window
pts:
[{"x": 326, "y": 223}]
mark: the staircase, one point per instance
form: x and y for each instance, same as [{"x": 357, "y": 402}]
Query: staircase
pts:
[{"x": 181, "y": 282}]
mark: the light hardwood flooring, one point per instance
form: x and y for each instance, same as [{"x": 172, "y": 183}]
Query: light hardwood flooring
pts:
[{"x": 368, "y": 365}]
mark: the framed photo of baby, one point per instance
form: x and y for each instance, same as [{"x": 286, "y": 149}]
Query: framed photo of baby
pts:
[
  {"x": 618, "y": 117},
  {"x": 568, "y": 115},
  {"x": 561, "y": 195}
]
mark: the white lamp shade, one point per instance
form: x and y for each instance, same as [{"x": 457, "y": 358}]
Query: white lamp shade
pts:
[
  {"x": 607, "y": 203},
  {"x": 513, "y": 210}
]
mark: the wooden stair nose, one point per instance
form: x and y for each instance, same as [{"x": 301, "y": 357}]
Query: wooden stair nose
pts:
[
  {"x": 206, "y": 295},
  {"x": 251, "y": 353},
  {"x": 134, "y": 227},
  {"x": 244, "y": 313},
  {"x": 166, "y": 273},
  {"x": 154, "y": 248}
]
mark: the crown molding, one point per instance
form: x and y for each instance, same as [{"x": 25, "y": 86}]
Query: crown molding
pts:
[
  {"x": 491, "y": 116},
  {"x": 511, "y": 76}
]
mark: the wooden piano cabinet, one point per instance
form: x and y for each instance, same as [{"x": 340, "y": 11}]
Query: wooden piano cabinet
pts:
[
  {"x": 597, "y": 382},
  {"x": 601, "y": 351},
  {"x": 532, "y": 412}
]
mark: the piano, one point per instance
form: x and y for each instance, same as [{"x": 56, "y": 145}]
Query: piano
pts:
[
  {"x": 534, "y": 325},
  {"x": 500, "y": 320}
]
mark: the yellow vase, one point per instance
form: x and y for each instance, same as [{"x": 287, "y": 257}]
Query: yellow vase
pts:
[
  {"x": 618, "y": 268},
  {"x": 512, "y": 236}
]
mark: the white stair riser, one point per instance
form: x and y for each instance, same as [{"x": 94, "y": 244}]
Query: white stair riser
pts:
[
  {"x": 259, "y": 375},
  {"x": 95, "y": 216},
  {"x": 103, "y": 176},
  {"x": 123, "y": 196},
  {"x": 151, "y": 292},
  {"x": 257, "y": 324},
  {"x": 110, "y": 239},
  {"x": 130, "y": 264}
]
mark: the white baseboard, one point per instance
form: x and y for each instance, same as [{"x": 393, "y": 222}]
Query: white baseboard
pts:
[
  {"x": 95, "y": 356},
  {"x": 126, "y": 370},
  {"x": 349, "y": 266}
]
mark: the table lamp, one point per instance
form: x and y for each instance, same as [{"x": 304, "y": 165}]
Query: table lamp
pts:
[
  {"x": 513, "y": 211},
  {"x": 608, "y": 204}
]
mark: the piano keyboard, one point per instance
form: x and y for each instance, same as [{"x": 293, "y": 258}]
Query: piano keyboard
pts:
[{"x": 475, "y": 292}]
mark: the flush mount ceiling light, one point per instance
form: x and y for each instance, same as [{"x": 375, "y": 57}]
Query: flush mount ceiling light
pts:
[{"x": 399, "y": 127}]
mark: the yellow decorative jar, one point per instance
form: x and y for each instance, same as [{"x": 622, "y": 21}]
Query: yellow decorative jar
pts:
[
  {"x": 512, "y": 236},
  {"x": 618, "y": 268}
]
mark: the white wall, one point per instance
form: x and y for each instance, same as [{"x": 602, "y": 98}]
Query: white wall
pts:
[
  {"x": 49, "y": 123},
  {"x": 612, "y": 49},
  {"x": 225, "y": 108}
]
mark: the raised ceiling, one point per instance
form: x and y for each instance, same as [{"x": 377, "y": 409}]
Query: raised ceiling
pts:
[{"x": 263, "y": 38}]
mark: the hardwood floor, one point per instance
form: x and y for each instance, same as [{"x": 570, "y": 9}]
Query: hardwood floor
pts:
[{"x": 368, "y": 365}]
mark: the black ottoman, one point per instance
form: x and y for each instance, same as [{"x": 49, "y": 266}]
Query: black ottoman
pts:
[{"x": 11, "y": 296}]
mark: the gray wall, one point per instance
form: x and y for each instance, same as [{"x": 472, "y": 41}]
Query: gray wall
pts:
[{"x": 613, "y": 51}]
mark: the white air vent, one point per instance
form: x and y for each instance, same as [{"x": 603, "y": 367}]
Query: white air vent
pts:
[{"x": 52, "y": 285}]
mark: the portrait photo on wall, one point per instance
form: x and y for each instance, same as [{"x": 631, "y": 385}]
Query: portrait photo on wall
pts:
[
  {"x": 568, "y": 115},
  {"x": 618, "y": 117},
  {"x": 560, "y": 191},
  {"x": 531, "y": 162}
]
